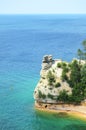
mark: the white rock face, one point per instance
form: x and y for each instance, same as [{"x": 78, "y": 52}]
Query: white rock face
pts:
[{"x": 48, "y": 64}]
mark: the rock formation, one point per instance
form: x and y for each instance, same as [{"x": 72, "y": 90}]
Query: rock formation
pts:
[
  {"x": 46, "y": 92},
  {"x": 47, "y": 62}
]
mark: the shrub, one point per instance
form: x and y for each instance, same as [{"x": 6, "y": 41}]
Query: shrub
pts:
[
  {"x": 66, "y": 70},
  {"x": 63, "y": 96},
  {"x": 50, "y": 88},
  {"x": 57, "y": 85},
  {"x": 51, "y": 78},
  {"x": 43, "y": 96},
  {"x": 50, "y": 96},
  {"x": 59, "y": 65},
  {"x": 40, "y": 95},
  {"x": 64, "y": 64},
  {"x": 75, "y": 75},
  {"x": 69, "y": 65},
  {"x": 64, "y": 76},
  {"x": 43, "y": 77}
]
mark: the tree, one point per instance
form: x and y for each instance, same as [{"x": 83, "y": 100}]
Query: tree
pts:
[
  {"x": 80, "y": 54},
  {"x": 64, "y": 76},
  {"x": 59, "y": 65},
  {"x": 64, "y": 73},
  {"x": 83, "y": 79},
  {"x": 75, "y": 76},
  {"x": 63, "y": 96},
  {"x": 57, "y": 85},
  {"x": 41, "y": 95},
  {"x": 84, "y": 45},
  {"x": 50, "y": 96},
  {"x": 51, "y": 78},
  {"x": 84, "y": 49}
]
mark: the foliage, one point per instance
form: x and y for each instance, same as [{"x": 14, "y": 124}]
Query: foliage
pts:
[
  {"x": 63, "y": 96},
  {"x": 66, "y": 69},
  {"x": 50, "y": 96},
  {"x": 69, "y": 65},
  {"x": 57, "y": 85},
  {"x": 75, "y": 76},
  {"x": 76, "y": 79},
  {"x": 64, "y": 75},
  {"x": 64, "y": 72},
  {"x": 64, "y": 64},
  {"x": 82, "y": 53},
  {"x": 41, "y": 95},
  {"x": 84, "y": 44},
  {"x": 83, "y": 79},
  {"x": 51, "y": 78},
  {"x": 59, "y": 65},
  {"x": 83, "y": 74}
]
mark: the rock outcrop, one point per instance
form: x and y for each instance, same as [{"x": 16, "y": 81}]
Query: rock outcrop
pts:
[
  {"x": 47, "y": 62},
  {"x": 44, "y": 91}
]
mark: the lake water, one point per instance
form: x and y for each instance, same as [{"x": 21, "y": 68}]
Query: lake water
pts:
[{"x": 24, "y": 40}]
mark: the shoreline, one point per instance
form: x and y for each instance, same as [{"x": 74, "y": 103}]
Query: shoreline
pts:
[{"x": 78, "y": 111}]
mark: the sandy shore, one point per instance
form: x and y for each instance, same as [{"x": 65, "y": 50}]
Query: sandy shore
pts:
[{"x": 73, "y": 110}]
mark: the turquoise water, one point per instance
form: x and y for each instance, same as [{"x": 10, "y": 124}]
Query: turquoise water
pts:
[{"x": 24, "y": 39}]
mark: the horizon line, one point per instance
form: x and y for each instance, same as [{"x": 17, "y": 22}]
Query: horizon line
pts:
[{"x": 42, "y": 13}]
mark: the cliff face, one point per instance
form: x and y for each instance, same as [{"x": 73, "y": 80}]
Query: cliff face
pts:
[{"x": 47, "y": 90}]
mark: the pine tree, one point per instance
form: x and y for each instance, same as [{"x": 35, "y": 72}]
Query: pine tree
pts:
[
  {"x": 75, "y": 75},
  {"x": 80, "y": 54}
]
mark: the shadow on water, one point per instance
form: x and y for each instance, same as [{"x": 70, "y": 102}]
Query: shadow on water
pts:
[
  {"x": 55, "y": 116},
  {"x": 75, "y": 127},
  {"x": 61, "y": 114}
]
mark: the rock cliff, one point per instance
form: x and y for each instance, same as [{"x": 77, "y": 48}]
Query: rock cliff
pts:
[{"x": 50, "y": 83}]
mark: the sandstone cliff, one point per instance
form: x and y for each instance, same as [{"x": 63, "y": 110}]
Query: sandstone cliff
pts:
[{"x": 47, "y": 91}]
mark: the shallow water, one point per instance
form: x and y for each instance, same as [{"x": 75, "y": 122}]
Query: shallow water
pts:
[
  {"x": 60, "y": 121},
  {"x": 24, "y": 39}
]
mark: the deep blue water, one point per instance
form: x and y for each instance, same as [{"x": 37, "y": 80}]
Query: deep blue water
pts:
[{"x": 24, "y": 39}]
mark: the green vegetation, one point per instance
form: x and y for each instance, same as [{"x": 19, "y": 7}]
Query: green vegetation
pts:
[
  {"x": 64, "y": 74},
  {"x": 65, "y": 68},
  {"x": 51, "y": 78},
  {"x": 82, "y": 53},
  {"x": 57, "y": 85},
  {"x": 59, "y": 65},
  {"x": 63, "y": 96},
  {"x": 76, "y": 79},
  {"x": 69, "y": 65},
  {"x": 50, "y": 96},
  {"x": 51, "y": 88},
  {"x": 41, "y": 95},
  {"x": 64, "y": 77},
  {"x": 64, "y": 64},
  {"x": 74, "y": 74},
  {"x": 43, "y": 78}
]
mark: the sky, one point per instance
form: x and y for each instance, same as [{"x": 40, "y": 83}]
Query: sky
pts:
[{"x": 42, "y": 6}]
